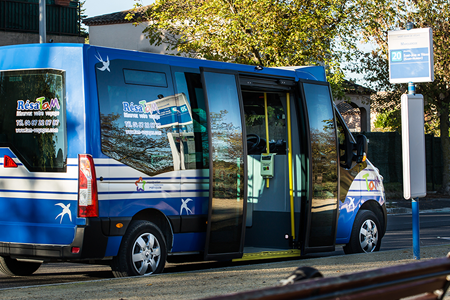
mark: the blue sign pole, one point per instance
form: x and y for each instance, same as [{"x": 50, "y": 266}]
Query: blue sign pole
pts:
[
  {"x": 415, "y": 201},
  {"x": 416, "y": 227}
]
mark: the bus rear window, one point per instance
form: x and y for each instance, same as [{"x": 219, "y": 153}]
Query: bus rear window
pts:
[{"x": 32, "y": 118}]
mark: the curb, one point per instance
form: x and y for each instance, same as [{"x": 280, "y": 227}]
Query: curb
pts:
[
  {"x": 398, "y": 210},
  {"x": 404, "y": 210}
]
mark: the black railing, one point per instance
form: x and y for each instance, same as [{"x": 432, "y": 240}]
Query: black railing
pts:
[{"x": 21, "y": 16}]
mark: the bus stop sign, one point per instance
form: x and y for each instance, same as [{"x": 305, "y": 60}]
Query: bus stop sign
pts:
[{"x": 411, "y": 55}]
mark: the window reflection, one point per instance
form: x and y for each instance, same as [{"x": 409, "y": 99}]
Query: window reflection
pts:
[
  {"x": 324, "y": 165},
  {"x": 323, "y": 141},
  {"x": 136, "y": 121},
  {"x": 228, "y": 164},
  {"x": 193, "y": 136}
]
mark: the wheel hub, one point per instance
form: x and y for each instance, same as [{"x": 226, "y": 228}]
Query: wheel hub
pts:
[
  {"x": 369, "y": 236},
  {"x": 146, "y": 254}
]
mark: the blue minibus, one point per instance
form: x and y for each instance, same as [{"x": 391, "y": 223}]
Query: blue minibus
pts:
[{"x": 133, "y": 159}]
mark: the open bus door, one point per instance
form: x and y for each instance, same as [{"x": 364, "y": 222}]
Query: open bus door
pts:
[
  {"x": 320, "y": 213},
  {"x": 227, "y": 165}
]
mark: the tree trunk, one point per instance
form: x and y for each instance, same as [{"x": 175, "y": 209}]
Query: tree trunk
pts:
[{"x": 445, "y": 144}]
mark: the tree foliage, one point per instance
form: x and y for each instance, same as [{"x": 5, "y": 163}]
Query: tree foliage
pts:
[
  {"x": 82, "y": 15},
  {"x": 377, "y": 17},
  {"x": 257, "y": 32}
]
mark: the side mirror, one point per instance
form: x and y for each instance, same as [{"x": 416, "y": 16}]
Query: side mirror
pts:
[{"x": 362, "y": 146}]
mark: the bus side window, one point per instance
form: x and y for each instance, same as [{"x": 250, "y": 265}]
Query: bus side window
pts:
[
  {"x": 194, "y": 134},
  {"x": 132, "y": 131}
]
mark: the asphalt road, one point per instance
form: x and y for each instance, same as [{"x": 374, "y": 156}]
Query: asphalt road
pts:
[{"x": 434, "y": 230}]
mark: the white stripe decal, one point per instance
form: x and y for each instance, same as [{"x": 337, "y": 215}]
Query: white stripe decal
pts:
[{"x": 42, "y": 196}]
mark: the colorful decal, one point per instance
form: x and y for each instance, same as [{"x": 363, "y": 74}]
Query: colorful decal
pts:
[
  {"x": 65, "y": 211},
  {"x": 161, "y": 113},
  {"x": 366, "y": 186},
  {"x": 373, "y": 184},
  {"x": 377, "y": 182},
  {"x": 105, "y": 63},
  {"x": 363, "y": 188},
  {"x": 140, "y": 184},
  {"x": 185, "y": 207},
  {"x": 42, "y": 113}
]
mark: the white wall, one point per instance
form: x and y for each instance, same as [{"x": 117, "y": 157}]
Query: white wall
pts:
[
  {"x": 122, "y": 36},
  {"x": 15, "y": 38}
]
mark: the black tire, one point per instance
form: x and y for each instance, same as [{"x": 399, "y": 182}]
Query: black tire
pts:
[
  {"x": 12, "y": 267},
  {"x": 366, "y": 234},
  {"x": 143, "y": 251}
]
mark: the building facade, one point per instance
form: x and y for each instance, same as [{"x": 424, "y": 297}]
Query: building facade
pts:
[
  {"x": 113, "y": 30},
  {"x": 356, "y": 108},
  {"x": 19, "y": 22}
]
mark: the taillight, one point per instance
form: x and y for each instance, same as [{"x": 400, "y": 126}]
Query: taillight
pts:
[
  {"x": 8, "y": 162},
  {"x": 87, "y": 187}
]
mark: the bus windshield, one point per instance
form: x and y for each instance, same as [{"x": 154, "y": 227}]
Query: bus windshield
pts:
[{"x": 32, "y": 118}]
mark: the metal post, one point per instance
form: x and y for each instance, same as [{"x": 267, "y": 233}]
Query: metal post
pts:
[
  {"x": 409, "y": 25},
  {"x": 42, "y": 24},
  {"x": 416, "y": 228},
  {"x": 415, "y": 203},
  {"x": 411, "y": 88}
]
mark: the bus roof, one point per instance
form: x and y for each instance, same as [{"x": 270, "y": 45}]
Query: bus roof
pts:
[{"x": 316, "y": 73}]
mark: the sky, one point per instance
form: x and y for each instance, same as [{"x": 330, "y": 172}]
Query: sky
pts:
[{"x": 97, "y": 7}]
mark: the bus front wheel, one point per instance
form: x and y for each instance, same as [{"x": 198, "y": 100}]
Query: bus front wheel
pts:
[
  {"x": 12, "y": 267},
  {"x": 365, "y": 236},
  {"x": 143, "y": 251}
]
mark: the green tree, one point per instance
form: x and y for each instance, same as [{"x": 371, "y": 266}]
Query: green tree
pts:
[
  {"x": 376, "y": 18},
  {"x": 257, "y": 32},
  {"x": 82, "y": 15}
]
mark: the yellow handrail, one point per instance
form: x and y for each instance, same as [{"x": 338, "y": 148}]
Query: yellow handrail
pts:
[
  {"x": 267, "y": 130},
  {"x": 291, "y": 179}
]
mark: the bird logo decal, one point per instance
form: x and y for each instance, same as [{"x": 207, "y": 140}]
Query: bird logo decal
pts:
[
  {"x": 351, "y": 204},
  {"x": 105, "y": 63},
  {"x": 66, "y": 210},
  {"x": 185, "y": 207}
]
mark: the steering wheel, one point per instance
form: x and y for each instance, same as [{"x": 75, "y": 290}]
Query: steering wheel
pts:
[{"x": 253, "y": 141}]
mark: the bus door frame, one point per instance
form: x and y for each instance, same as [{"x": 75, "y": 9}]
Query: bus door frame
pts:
[
  {"x": 306, "y": 231},
  {"x": 241, "y": 216},
  {"x": 266, "y": 84}
]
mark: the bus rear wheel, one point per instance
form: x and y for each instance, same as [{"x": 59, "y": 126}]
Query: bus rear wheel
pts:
[
  {"x": 12, "y": 267},
  {"x": 143, "y": 251},
  {"x": 365, "y": 236}
]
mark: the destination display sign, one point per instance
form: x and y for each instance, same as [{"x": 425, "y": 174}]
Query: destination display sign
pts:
[{"x": 411, "y": 55}]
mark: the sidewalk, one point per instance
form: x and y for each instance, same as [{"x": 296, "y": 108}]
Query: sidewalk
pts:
[
  {"x": 430, "y": 203},
  {"x": 209, "y": 283}
]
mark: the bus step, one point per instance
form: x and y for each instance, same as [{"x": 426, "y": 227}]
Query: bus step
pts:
[{"x": 269, "y": 255}]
